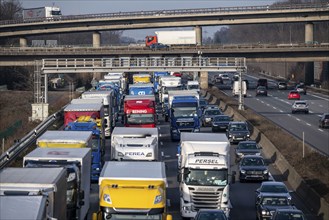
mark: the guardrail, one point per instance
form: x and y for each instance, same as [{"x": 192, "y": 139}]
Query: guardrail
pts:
[{"x": 11, "y": 154}]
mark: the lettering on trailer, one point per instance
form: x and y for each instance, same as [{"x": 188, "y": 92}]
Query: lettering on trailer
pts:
[
  {"x": 141, "y": 93},
  {"x": 58, "y": 153},
  {"x": 134, "y": 154},
  {"x": 138, "y": 111},
  {"x": 206, "y": 161}
]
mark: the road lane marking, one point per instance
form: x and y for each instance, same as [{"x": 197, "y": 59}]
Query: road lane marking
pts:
[
  {"x": 311, "y": 112},
  {"x": 274, "y": 107},
  {"x": 161, "y": 142},
  {"x": 320, "y": 129},
  {"x": 320, "y": 97},
  {"x": 321, "y": 106},
  {"x": 297, "y": 119},
  {"x": 308, "y": 124},
  {"x": 162, "y": 154},
  {"x": 281, "y": 111}
]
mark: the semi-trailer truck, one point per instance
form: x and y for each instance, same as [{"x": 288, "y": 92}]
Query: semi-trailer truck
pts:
[
  {"x": 134, "y": 144},
  {"x": 42, "y": 12},
  {"x": 32, "y": 182},
  {"x": 77, "y": 163},
  {"x": 156, "y": 80},
  {"x": 132, "y": 190},
  {"x": 141, "y": 89},
  {"x": 184, "y": 37},
  {"x": 204, "y": 171},
  {"x": 140, "y": 111}
]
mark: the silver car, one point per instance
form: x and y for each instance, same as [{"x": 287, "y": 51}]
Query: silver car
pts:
[{"x": 299, "y": 106}]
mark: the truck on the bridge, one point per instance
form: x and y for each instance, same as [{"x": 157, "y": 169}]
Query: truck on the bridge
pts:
[
  {"x": 186, "y": 37},
  {"x": 134, "y": 144},
  {"x": 184, "y": 112},
  {"x": 204, "y": 171},
  {"x": 140, "y": 111},
  {"x": 85, "y": 123},
  {"x": 42, "y": 12},
  {"x": 141, "y": 89},
  {"x": 77, "y": 163},
  {"x": 132, "y": 190},
  {"x": 32, "y": 182}
]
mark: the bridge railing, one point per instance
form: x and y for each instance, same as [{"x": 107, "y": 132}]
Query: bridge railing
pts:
[{"x": 171, "y": 12}]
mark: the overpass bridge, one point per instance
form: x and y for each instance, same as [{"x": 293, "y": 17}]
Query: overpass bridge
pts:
[{"x": 292, "y": 13}]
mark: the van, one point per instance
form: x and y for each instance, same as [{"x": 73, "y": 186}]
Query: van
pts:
[
  {"x": 262, "y": 82},
  {"x": 236, "y": 91}
]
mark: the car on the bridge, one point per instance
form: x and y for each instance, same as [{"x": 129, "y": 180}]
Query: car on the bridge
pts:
[
  {"x": 210, "y": 214},
  {"x": 267, "y": 203},
  {"x": 208, "y": 114},
  {"x": 261, "y": 90},
  {"x": 294, "y": 95},
  {"x": 299, "y": 106},
  {"x": 290, "y": 214},
  {"x": 324, "y": 120},
  {"x": 247, "y": 148},
  {"x": 224, "y": 76},
  {"x": 273, "y": 187},
  {"x": 220, "y": 123},
  {"x": 159, "y": 46},
  {"x": 237, "y": 131},
  {"x": 253, "y": 167}
]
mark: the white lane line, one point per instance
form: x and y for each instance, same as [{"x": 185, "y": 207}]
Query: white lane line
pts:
[
  {"x": 311, "y": 112},
  {"x": 321, "y": 106},
  {"x": 320, "y": 97},
  {"x": 320, "y": 129},
  {"x": 319, "y": 115},
  {"x": 162, "y": 153},
  {"x": 312, "y": 103},
  {"x": 159, "y": 127},
  {"x": 160, "y": 135},
  {"x": 289, "y": 115},
  {"x": 308, "y": 124},
  {"x": 274, "y": 107},
  {"x": 268, "y": 104},
  {"x": 297, "y": 119},
  {"x": 281, "y": 111},
  {"x": 161, "y": 142}
]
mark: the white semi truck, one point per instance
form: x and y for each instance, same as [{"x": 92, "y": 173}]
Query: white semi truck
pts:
[
  {"x": 37, "y": 182},
  {"x": 42, "y": 12},
  {"x": 77, "y": 162},
  {"x": 128, "y": 143},
  {"x": 204, "y": 171}
]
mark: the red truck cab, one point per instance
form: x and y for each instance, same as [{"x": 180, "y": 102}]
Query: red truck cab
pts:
[
  {"x": 149, "y": 40},
  {"x": 140, "y": 111}
]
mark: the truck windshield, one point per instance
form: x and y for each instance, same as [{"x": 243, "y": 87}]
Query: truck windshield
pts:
[
  {"x": 202, "y": 177},
  {"x": 94, "y": 143},
  {"x": 137, "y": 217},
  {"x": 193, "y": 87},
  {"x": 185, "y": 111},
  {"x": 166, "y": 89},
  {"x": 136, "y": 119}
]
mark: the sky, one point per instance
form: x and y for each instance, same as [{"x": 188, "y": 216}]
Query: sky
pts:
[{"x": 79, "y": 7}]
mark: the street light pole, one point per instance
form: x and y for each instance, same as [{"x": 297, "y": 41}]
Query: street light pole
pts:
[{"x": 241, "y": 105}]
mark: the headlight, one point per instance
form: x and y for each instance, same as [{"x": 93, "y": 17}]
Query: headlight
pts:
[
  {"x": 229, "y": 135},
  {"x": 265, "y": 171},
  {"x": 208, "y": 119},
  {"x": 71, "y": 177},
  {"x": 240, "y": 154},
  {"x": 149, "y": 155},
  {"x": 264, "y": 212},
  {"x": 257, "y": 154},
  {"x": 215, "y": 125},
  {"x": 107, "y": 198},
  {"x": 186, "y": 208},
  {"x": 243, "y": 171},
  {"x": 248, "y": 135},
  {"x": 158, "y": 199},
  {"x": 120, "y": 154}
]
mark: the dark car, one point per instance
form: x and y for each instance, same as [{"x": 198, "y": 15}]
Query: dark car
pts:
[
  {"x": 237, "y": 131},
  {"x": 159, "y": 46},
  {"x": 220, "y": 123},
  {"x": 253, "y": 167},
  {"x": 274, "y": 187},
  {"x": 261, "y": 90},
  {"x": 301, "y": 88},
  {"x": 208, "y": 114},
  {"x": 267, "y": 203},
  {"x": 290, "y": 214},
  {"x": 324, "y": 120},
  {"x": 210, "y": 214},
  {"x": 203, "y": 103},
  {"x": 246, "y": 148},
  {"x": 282, "y": 85},
  {"x": 262, "y": 82}
]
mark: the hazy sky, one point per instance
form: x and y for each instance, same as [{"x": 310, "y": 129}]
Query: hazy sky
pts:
[{"x": 76, "y": 7}]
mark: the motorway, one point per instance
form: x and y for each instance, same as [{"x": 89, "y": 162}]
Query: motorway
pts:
[
  {"x": 242, "y": 194},
  {"x": 277, "y": 108}
]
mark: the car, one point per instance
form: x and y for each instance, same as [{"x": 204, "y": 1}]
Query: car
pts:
[
  {"x": 220, "y": 123},
  {"x": 159, "y": 46},
  {"x": 299, "y": 106},
  {"x": 253, "y": 167},
  {"x": 290, "y": 214},
  {"x": 210, "y": 214},
  {"x": 246, "y": 148},
  {"x": 203, "y": 103},
  {"x": 324, "y": 120},
  {"x": 218, "y": 79},
  {"x": 282, "y": 85},
  {"x": 294, "y": 95},
  {"x": 237, "y": 131},
  {"x": 273, "y": 187},
  {"x": 267, "y": 203},
  {"x": 301, "y": 88},
  {"x": 262, "y": 82},
  {"x": 208, "y": 114},
  {"x": 177, "y": 74},
  {"x": 261, "y": 90},
  {"x": 224, "y": 76}
]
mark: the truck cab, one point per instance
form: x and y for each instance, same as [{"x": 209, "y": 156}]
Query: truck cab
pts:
[
  {"x": 141, "y": 89},
  {"x": 193, "y": 85}
]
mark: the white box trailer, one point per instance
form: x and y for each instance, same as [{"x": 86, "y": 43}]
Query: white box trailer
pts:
[
  {"x": 184, "y": 37},
  {"x": 128, "y": 143},
  {"x": 77, "y": 163},
  {"x": 204, "y": 168},
  {"x": 23, "y": 207},
  {"x": 37, "y": 181},
  {"x": 42, "y": 12}
]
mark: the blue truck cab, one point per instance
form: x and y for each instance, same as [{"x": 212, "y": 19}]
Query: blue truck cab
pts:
[
  {"x": 141, "y": 89},
  {"x": 97, "y": 144},
  {"x": 184, "y": 114}
]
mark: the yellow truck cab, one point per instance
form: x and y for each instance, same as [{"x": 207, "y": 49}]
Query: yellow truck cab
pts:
[
  {"x": 142, "y": 78},
  {"x": 132, "y": 190}
]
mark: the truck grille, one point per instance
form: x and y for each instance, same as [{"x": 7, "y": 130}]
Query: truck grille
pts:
[
  {"x": 204, "y": 199},
  {"x": 185, "y": 124}
]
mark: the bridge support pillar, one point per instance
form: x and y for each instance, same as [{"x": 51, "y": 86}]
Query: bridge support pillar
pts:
[
  {"x": 198, "y": 33},
  {"x": 309, "y": 66},
  {"x": 22, "y": 42},
  {"x": 96, "y": 39},
  {"x": 203, "y": 80}
]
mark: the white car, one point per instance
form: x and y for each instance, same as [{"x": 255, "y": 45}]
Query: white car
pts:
[
  {"x": 224, "y": 76},
  {"x": 299, "y": 106}
]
